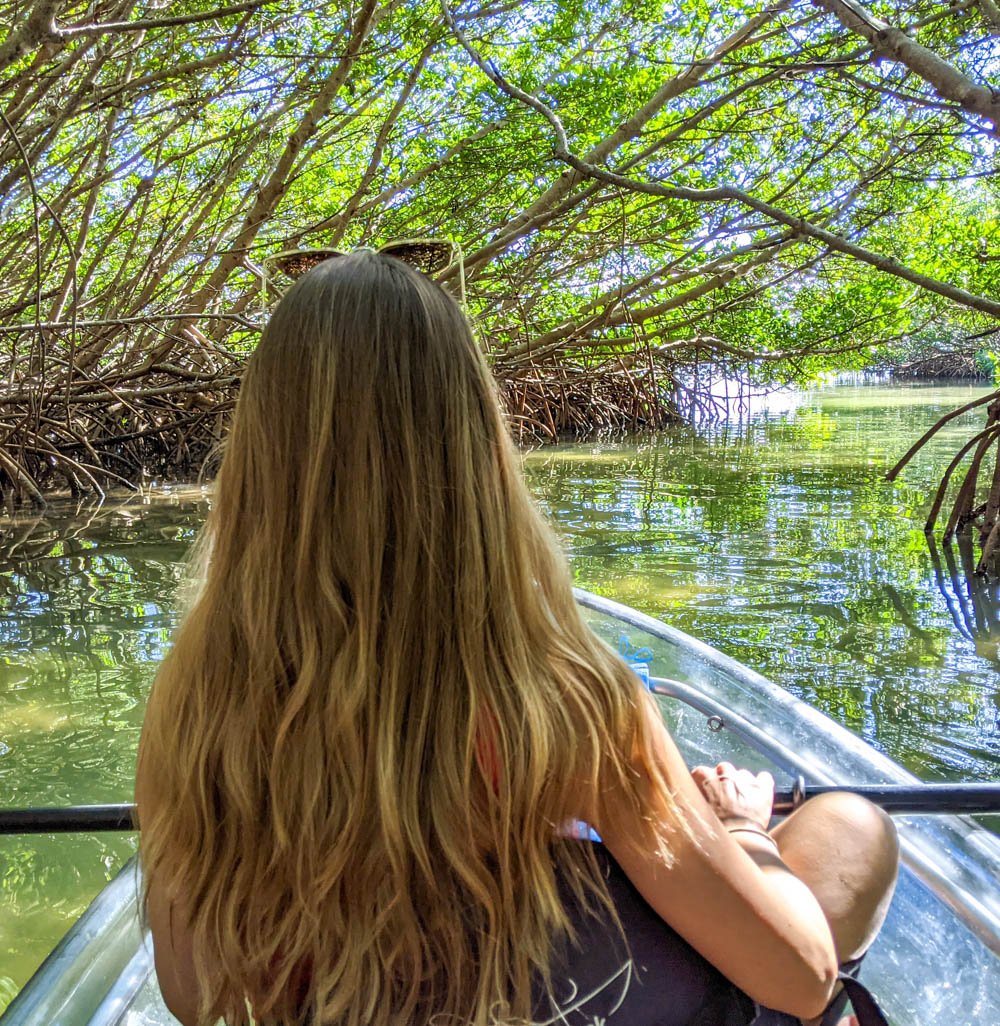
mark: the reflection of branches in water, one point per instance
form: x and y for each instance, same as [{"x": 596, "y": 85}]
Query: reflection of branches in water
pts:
[
  {"x": 87, "y": 593},
  {"x": 973, "y": 600},
  {"x": 30, "y": 539},
  {"x": 905, "y": 612},
  {"x": 76, "y": 572}
]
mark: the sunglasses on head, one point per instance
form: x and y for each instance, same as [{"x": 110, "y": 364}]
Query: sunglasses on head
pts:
[{"x": 427, "y": 255}]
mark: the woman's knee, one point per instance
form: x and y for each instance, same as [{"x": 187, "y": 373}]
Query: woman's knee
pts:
[
  {"x": 842, "y": 817},
  {"x": 846, "y": 850},
  {"x": 872, "y": 836},
  {"x": 853, "y": 809}
]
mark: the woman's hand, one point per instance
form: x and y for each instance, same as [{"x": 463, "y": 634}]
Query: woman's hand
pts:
[{"x": 737, "y": 796}]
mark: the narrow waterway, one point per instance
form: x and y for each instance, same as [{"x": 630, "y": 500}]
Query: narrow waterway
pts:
[{"x": 775, "y": 539}]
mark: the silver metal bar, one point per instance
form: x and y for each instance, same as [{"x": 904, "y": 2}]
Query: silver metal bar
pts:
[
  {"x": 114, "y": 1009},
  {"x": 778, "y": 753},
  {"x": 75, "y": 977}
]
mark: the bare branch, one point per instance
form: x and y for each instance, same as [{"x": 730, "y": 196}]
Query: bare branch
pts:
[{"x": 11, "y": 329}]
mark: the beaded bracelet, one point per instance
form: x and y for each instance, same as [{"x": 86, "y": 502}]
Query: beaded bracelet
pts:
[{"x": 753, "y": 830}]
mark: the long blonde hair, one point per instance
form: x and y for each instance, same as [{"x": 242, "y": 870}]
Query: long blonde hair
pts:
[{"x": 378, "y": 597}]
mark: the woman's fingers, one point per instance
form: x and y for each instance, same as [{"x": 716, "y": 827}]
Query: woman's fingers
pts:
[{"x": 737, "y": 794}]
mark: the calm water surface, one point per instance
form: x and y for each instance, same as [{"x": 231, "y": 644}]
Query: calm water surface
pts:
[{"x": 775, "y": 539}]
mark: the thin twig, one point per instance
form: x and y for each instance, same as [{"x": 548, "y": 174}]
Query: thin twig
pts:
[{"x": 8, "y": 329}]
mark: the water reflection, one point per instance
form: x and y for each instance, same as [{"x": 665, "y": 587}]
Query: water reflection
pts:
[
  {"x": 88, "y": 604},
  {"x": 973, "y": 600},
  {"x": 780, "y": 543}
]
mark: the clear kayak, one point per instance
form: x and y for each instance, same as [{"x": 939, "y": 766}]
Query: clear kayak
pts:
[{"x": 937, "y": 959}]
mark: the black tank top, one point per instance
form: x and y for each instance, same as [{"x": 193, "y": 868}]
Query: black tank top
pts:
[{"x": 655, "y": 979}]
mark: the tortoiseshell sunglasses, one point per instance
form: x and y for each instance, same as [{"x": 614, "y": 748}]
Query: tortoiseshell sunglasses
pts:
[{"x": 427, "y": 255}]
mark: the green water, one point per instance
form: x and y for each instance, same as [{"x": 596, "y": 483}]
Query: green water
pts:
[{"x": 775, "y": 539}]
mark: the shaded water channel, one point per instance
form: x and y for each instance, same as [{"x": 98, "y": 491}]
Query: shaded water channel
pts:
[{"x": 775, "y": 539}]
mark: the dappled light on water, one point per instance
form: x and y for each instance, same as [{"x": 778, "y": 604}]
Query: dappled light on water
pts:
[{"x": 780, "y": 542}]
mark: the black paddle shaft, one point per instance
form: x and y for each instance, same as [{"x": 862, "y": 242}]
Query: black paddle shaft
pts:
[
  {"x": 82, "y": 818},
  {"x": 915, "y": 799}
]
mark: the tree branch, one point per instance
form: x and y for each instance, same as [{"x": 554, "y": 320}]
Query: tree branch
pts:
[
  {"x": 62, "y": 33},
  {"x": 106, "y": 322},
  {"x": 587, "y": 169},
  {"x": 673, "y": 87},
  {"x": 893, "y": 44},
  {"x": 272, "y": 191},
  {"x": 33, "y": 32},
  {"x": 991, "y": 15}
]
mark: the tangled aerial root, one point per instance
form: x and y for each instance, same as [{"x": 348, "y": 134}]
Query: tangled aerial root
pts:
[
  {"x": 111, "y": 437},
  {"x": 557, "y": 402},
  {"x": 165, "y": 423},
  {"x": 942, "y": 365},
  {"x": 966, "y": 512}
]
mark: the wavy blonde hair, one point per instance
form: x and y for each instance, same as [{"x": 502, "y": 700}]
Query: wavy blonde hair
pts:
[{"x": 377, "y": 597}]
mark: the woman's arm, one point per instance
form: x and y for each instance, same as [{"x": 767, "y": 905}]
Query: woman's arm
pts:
[
  {"x": 172, "y": 950},
  {"x": 728, "y": 895},
  {"x": 173, "y": 959}
]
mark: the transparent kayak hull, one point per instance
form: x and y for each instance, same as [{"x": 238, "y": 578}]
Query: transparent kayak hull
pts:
[{"x": 937, "y": 959}]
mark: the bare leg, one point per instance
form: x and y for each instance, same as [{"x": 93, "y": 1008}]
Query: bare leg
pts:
[{"x": 847, "y": 851}]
